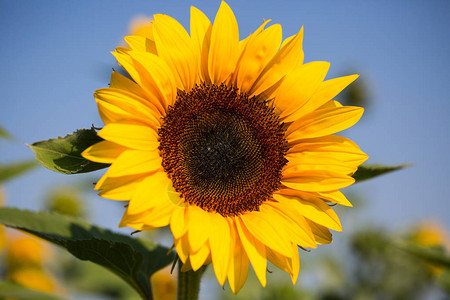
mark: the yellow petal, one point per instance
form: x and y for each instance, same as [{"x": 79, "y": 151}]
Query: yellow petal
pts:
[
  {"x": 118, "y": 104},
  {"x": 199, "y": 227},
  {"x": 314, "y": 209},
  {"x": 135, "y": 162},
  {"x": 319, "y": 234},
  {"x": 329, "y": 143},
  {"x": 307, "y": 161},
  {"x": 178, "y": 222},
  {"x": 322, "y": 97},
  {"x": 142, "y": 27},
  {"x": 201, "y": 36},
  {"x": 322, "y": 234},
  {"x": 316, "y": 181},
  {"x": 134, "y": 136},
  {"x": 331, "y": 104},
  {"x": 140, "y": 43},
  {"x": 280, "y": 261},
  {"x": 295, "y": 262},
  {"x": 298, "y": 87},
  {"x": 330, "y": 196},
  {"x": 198, "y": 258},
  {"x": 259, "y": 50},
  {"x": 282, "y": 63},
  {"x": 224, "y": 47},
  {"x": 100, "y": 182},
  {"x": 133, "y": 221},
  {"x": 243, "y": 43},
  {"x": 220, "y": 246},
  {"x": 260, "y": 225},
  {"x": 182, "y": 247},
  {"x": 103, "y": 152},
  {"x": 119, "y": 188},
  {"x": 118, "y": 81},
  {"x": 336, "y": 197},
  {"x": 110, "y": 113},
  {"x": 239, "y": 263},
  {"x": 157, "y": 76},
  {"x": 159, "y": 216},
  {"x": 142, "y": 220},
  {"x": 323, "y": 122},
  {"x": 287, "y": 40},
  {"x": 302, "y": 228},
  {"x": 326, "y": 92},
  {"x": 151, "y": 73},
  {"x": 255, "y": 251},
  {"x": 330, "y": 152},
  {"x": 151, "y": 192},
  {"x": 175, "y": 46},
  {"x": 284, "y": 224},
  {"x": 139, "y": 74}
]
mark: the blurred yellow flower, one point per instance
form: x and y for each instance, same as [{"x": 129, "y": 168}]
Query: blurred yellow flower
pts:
[
  {"x": 431, "y": 234},
  {"x": 164, "y": 285},
  {"x": 227, "y": 141},
  {"x": 67, "y": 201},
  {"x": 32, "y": 278},
  {"x": 25, "y": 250}
]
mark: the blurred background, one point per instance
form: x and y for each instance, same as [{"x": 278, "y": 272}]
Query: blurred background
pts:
[{"x": 55, "y": 54}]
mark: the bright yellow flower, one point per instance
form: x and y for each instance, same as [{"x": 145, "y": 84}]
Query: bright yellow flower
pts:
[{"x": 229, "y": 142}]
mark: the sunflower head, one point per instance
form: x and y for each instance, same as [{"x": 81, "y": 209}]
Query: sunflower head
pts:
[
  {"x": 227, "y": 141},
  {"x": 223, "y": 150}
]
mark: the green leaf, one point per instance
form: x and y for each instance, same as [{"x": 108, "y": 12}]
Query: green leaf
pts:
[
  {"x": 10, "y": 171},
  {"x": 134, "y": 260},
  {"x": 434, "y": 255},
  {"x": 63, "y": 155},
  {"x": 366, "y": 171},
  {"x": 11, "y": 290},
  {"x": 4, "y": 134},
  {"x": 94, "y": 279}
]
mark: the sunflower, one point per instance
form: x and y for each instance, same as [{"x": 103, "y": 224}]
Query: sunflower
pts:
[{"x": 229, "y": 142}]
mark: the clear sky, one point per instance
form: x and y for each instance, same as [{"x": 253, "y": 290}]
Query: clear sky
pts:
[{"x": 55, "y": 54}]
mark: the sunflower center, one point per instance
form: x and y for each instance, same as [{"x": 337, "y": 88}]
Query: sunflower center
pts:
[
  {"x": 219, "y": 150},
  {"x": 223, "y": 150}
]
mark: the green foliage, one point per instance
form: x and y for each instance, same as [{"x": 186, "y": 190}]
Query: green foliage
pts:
[
  {"x": 63, "y": 155},
  {"x": 444, "y": 281},
  {"x": 4, "y": 134},
  {"x": 10, "y": 290},
  {"x": 98, "y": 281},
  {"x": 384, "y": 269},
  {"x": 432, "y": 255},
  {"x": 367, "y": 171},
  {"x": 284, "y": 292},
  {"x": 15, "y": 169},
  {"x": 134, "y": 260},
  {"x": 357, "y": 94},
  {"x": 66, "y": 201}
]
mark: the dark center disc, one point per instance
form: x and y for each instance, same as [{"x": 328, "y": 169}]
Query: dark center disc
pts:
[
  {"x": 221, "y": 155},
  {"x": 223, "y": 151}
]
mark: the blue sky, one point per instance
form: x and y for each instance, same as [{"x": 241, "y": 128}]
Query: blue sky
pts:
[{"x": 55, "y": 54}]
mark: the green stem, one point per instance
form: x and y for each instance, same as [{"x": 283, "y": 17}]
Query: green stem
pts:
[{"x": 189, "y": 283}]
